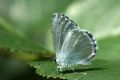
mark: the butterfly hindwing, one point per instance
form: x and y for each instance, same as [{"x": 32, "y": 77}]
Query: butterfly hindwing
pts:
[{"x": 76, "y": 49}]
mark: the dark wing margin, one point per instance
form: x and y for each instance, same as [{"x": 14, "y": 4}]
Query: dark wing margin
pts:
[
  {"x": 93, "y": 40},
  {"x": 61, "y": 26}
]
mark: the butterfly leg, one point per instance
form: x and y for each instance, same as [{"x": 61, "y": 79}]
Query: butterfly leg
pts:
[{"x": 60, "y": 68}]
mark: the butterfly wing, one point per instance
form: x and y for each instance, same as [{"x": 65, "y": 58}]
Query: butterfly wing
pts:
[
  {"x": 61, "y": 26},
  {"x": 72, "y": 45},
  {"x": 79, "y": 47}
]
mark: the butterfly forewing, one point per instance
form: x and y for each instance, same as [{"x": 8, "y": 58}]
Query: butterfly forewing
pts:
[{"x": 61, "y": 26}]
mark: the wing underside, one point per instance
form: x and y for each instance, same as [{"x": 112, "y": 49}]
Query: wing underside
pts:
[
  {"x": 78, "y": 48},
  {"x": 72, "y": 45},
  {"x": 61, "y": 26}
]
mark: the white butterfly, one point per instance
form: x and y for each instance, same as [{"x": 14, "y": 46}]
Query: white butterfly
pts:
[{"x": 73, "y": 46}]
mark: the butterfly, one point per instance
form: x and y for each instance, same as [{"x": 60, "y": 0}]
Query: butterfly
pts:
[{"x": 72, "y": 45}]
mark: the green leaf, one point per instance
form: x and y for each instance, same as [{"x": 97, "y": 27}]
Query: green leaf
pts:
[
  {"x": 33, "y": 17},
  {"x": 99, "y": 69},
  {"x": 106, "y": 66},
  {"x": 15, "y": 39}
]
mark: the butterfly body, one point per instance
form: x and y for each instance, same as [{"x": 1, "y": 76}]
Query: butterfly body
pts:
[{"x": 73, "y": 46}]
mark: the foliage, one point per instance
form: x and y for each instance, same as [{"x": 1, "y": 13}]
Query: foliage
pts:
[{"x": 25, "y": 33}]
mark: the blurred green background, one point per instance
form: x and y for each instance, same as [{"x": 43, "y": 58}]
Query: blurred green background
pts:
[{"x": 25, "y": 35}]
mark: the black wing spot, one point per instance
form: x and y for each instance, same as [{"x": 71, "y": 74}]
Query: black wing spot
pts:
[
  {"x": 90, "y": 35},
  {"x": 93, "y": 40}
]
